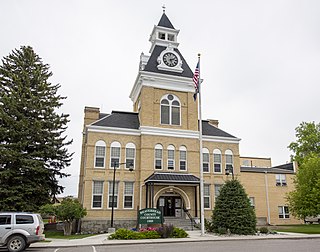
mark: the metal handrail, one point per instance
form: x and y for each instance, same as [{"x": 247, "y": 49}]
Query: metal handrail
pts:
[{"x": 190, "y": 217}]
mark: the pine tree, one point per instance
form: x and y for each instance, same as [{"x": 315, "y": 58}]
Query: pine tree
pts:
[
  {"x": 233, "y": 211},
  {"x": 33, "y": 145}
]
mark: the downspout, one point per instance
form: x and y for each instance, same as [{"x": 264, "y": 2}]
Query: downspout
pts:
[{"x": 267, "y": 196}]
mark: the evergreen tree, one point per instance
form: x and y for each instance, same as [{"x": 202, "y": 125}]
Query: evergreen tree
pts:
[
  {"x": 233, "y": 211},
  {"x": 33, "y": 145}
]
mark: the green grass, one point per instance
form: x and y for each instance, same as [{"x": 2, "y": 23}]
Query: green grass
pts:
[
  {"x": 303, "y": 228},
  {"x": 59, "y": 235}
]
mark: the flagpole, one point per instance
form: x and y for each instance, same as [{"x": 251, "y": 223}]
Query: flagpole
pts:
[{"x": 201, "y": 156}]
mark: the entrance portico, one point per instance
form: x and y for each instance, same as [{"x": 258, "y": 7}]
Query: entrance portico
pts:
[{"x": 172, "y": 193}]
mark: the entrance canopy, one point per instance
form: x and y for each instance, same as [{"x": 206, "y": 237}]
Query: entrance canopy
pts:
[{"x": 172, "y": 178}]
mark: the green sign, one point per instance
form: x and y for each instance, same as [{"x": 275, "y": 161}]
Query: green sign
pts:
[{"x": 150, "y": 216}]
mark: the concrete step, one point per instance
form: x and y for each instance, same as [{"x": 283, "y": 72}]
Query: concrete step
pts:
[{"x": 179, "y": 222}]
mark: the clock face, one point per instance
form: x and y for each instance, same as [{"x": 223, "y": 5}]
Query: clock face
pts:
[{"x": 170, "y": 59}]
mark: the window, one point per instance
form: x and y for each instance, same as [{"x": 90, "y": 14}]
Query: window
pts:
[
  {"x": 170, "y": 110},
  {"x": 217, "y": 188},
  {"x": 171, "y": 37},
  {"x": 115, "y": 154},
  {"x": 24, "y": 219},
  {"x": 128, "y": 195},
  {"x": 252, "y": 203},
  {"x": 205, "y": 161},
  {"x": 170, "y": 157},
  {"x": 229, "y": 161},
  {"x": 217, "y": 161},
  {"x": 97, "y": 193},
  {"x": 283, "y": 212},
  {"x": 206, "y": 195},
  {"x": 246, "y": 162},
  {"x": 183, "y": 158},
  {"x": 116, "y": 185},
  {"x": 161, "y": 35},
  {"x": 158, "y": 157},
  {"x": 100, "y": 154},
  {"x": 130, "y": 155},
  {"x": 5, "y": 219},
  {"x": 281, "y": 180}
]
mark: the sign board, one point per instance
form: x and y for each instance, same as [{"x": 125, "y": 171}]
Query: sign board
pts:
[{"x": 150, "y": 216}]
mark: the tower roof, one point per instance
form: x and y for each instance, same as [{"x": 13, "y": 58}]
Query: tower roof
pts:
[{"x": 165, "y": 22}]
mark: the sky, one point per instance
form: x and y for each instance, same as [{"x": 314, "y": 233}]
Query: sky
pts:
[{"x": 260, "y": 61}]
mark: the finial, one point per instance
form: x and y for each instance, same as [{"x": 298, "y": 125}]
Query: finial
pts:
[
  {"x": 199, "y": 55},
  {"x": 164, "y": 8}
]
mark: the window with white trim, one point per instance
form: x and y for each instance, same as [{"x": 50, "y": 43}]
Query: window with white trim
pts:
[
  {"x": 158, "y": 157},
  {"x": 116, "y": 190},
  {"x": 252, "y": 202},
  {"x": 217, "y": 161},
  {"x": 206, "y": 195},
  {"x": 205, "y": 160},
  {"x": 283, "y": 212},
  {"x": 229, "y": 161},
  {"x": 217, "y": 188},
  {"x": 170, "y": 157},
  {"x": 183, "y": 158},
  {"x": 100, "y": 154},
  {"x": 97, "y": 194},
  {"x": 128, "y": 195},
  {"x": 130, "y": 155},
  {"x": 115, "y": 154},
  {"x": 281, "y": 180},
  {"x": 170, "y": 110}
]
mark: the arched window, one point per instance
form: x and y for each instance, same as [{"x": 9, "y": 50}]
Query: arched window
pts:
[
  {"x": 229, "y": 161},
  {"x": 183, "y": 158},
  {"x": 170, "y": 110},
  {"x": 217, "y": 161},
  {"x": 100, "y": 154},
  {"x": 158, "y": 157},
  {"x": 170, "y": 157},
  {"x": 206, "y": 160},
  {"x": 115, "y": 154},
  {"x": 130, "y": 155}
]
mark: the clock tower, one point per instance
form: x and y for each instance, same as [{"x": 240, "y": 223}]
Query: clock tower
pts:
[{"x": 163, "y": 90}]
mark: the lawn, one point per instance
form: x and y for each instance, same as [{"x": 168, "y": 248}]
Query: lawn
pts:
[
  {"x": 59, "y": 235},
  {"x": 303, "y": 228}
]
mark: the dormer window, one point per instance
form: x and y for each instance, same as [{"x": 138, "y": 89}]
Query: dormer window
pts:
[
  {"x": 170, "y": 110},
  {"x": 162, "y": 35}
]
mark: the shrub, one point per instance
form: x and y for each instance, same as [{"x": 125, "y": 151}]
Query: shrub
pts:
[
  {"x": 125, "y": 234},
  {"x": 264, "y": 230},
  {"x": 179, "y": 233},
  {"x": 165, "y": 231},
  {"x": 149, "y": 235},
  {"x": 222, "y": 230},
  {"x": 208, "y": 225}
]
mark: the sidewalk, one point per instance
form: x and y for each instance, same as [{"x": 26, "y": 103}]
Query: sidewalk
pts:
[{"x": 194, "y": 236}]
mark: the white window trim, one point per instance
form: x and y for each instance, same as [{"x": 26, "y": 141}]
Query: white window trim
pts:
[
  {"x": 116, "y": 184},
  {"x": 284, "y": 214},
  {"x": 214, "y": 190},
  {"x": 171, "y": 148},
  {"x": 208, "y": 196},
  {"x": 230, "y": 153},
  {"x": 206, "y": 151},
  {"x": 115, "y": 145},
  {"x": 217, "y": 151},
  {"x": 124, "y": 188},
  {"x": 100, "y": 143},
  {"x": 175, "y": 98},
  {"x": 283, "y": 181},
  {"x": 97, "y": 194},
  {"x": 158, "y": 147},
  {"x": 183, "y": 148},
  {"x": 131, "y": 146}
]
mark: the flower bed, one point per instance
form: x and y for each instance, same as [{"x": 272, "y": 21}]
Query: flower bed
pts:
[{"x": 166, "y": 231}]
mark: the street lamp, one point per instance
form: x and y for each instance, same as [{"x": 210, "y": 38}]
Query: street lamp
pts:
[
  {"x": 229, "y": 169},
  {"x": 116, "y": 164}
]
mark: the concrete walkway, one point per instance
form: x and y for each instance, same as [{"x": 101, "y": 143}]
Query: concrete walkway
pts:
[{"x": 194, "y": 236}]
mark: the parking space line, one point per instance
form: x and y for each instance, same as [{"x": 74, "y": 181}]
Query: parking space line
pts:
[
  {"x": 56, "y": 249},
  {"x": 94, "y": 249}
]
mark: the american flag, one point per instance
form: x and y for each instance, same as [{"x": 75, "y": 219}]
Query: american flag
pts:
[{"x": 196, "y": 76}]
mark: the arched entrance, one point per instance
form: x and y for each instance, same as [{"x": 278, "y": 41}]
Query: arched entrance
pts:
[{"x": 171, "y": 205}]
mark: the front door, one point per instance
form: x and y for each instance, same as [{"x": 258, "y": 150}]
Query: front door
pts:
[{"x": 171, "y": 206}]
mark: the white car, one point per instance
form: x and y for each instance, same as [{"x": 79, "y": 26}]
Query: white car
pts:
[{"x": 18, "y": 230}]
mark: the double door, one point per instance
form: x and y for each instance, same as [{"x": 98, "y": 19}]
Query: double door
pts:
[{"x": 171, "y": 206}]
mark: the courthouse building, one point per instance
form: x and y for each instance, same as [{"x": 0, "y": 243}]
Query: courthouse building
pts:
[{"x": 160, "y": 137}]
